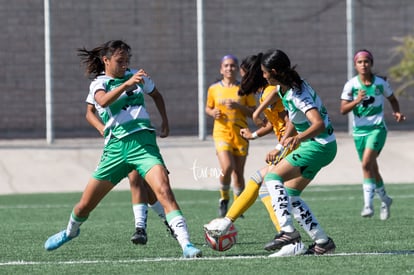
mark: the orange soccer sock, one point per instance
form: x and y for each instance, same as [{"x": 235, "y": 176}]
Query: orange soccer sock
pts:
[{"x": 244, "y": 201}]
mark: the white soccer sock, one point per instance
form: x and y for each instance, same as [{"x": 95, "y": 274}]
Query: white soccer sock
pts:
[
  {"x": 74, "y": 224},
  {"x": 157, "y": 207},
  {"x": 304, "y": 216},
  {"x": 140, "y": 215},
  {"x": 280, "y": 202},
  {"x": 179, "y": 226},
  {"x": 382, "y": 194},
  {"x": 368, "y": 190}
]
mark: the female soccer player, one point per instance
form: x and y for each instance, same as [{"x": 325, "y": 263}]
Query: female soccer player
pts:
[
  {"x": 142, "y": 195},
  {"x": 364, "y": 96},
  {"x": 230, "y": 112},
  {"x": 253, "y": 82},
  {"x": 130, "y": 141},
  {"x": 309, "y": 129}
]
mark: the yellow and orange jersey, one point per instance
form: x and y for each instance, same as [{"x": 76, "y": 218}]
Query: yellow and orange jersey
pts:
[
  {"x": 272, "y": 112},
  {"x": 232, "y": 120}
]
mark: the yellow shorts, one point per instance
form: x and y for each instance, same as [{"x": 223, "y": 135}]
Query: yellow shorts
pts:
[{"x": 235, "y": 144}]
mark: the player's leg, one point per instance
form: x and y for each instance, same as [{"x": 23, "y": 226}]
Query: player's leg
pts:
[
  {"x": 238, "y": 175},
  {"x": 267, "y": 202},
  {"x": 144, "y": 154},
  {"x": 156, "y": 206},
  {"x": 274, "y": 181},
  {"x": 94, "y": 192},
  {"x": 225, "y": 159},
  {"x": 368, "y": 185},
  {"x": 157, "y": 178},
  {"x": 296, "y": 173},
  {"x": 376, "y": 141},
  {"x": 139, "y": 200},
  {"x": 219, "y": 227}
]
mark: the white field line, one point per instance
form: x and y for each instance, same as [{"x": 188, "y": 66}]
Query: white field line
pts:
[
  {"x": 186, "y": 202},
  {"x": 82, "y": 262}
]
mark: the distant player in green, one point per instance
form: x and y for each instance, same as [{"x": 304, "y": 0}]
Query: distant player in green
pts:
[
  {"x": 364, "y": 95},
  {"x": 130, "y": 141},
  {"x": 309, "y": 128}
]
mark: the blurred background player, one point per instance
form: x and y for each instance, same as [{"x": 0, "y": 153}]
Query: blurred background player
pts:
[
  {"x": 142, "y": 195},
  {"x": 230, "y": 112},
  {"x": 364, "y": 96}
]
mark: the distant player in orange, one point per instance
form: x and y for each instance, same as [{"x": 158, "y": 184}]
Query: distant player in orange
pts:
[{"x": 230, "y": 112}]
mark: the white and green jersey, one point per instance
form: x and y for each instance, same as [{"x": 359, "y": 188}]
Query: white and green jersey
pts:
[
  {"x": 127, "y": 114},
  {"x": 369, "y": 114},
  {"x": 297, "y": 102}
]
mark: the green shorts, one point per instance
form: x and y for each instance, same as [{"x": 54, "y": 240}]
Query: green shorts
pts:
[
  {"x": 311, "y": 156},
  {"x": 137, "y": 151},
  {"x": 374, "y": 140}
]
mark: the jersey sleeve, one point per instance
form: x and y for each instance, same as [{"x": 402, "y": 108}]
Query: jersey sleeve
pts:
[
  {"x": 90, "y": 99},
  {"x": 304, "y": 101},
  {"x": 347, "y": 92},
  {"x": 210, "y": 98},
  {"x": 96, "y": 85},
  {"x": 387, "y": 89},
  {"x": 148, "y": 86}
]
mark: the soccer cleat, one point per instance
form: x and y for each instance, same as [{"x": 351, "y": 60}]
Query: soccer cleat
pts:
[
  {"x": 223, "y": 206},
  {"x": 218, "y": 227},
  {"x": 57, "y": 240},
  {"x": 320, "y": 249},
  {"x": 281, "y": 239},
  {"x": 385, "y": 209},
  {"x": 293, "y": 249},
  {"x": 190, "y": 251},
  {"x": 367, "y": 212},
  {"x": 140, "y": 236}
]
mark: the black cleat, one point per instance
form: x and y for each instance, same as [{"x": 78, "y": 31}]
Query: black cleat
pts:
[
  {"x": 320, "y": 249},
  {"x": 223, "y": 206},
  {"x": 139, "y": 237},
  {"x": 281, "y": 239}
]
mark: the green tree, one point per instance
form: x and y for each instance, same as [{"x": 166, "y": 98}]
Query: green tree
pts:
[{"x": 403, "y": 72}]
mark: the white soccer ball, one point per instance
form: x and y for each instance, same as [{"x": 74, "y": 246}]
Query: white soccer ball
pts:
[{"x": 224, "y": 242}]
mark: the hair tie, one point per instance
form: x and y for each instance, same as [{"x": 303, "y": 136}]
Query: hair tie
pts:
[{"x": 363, "y": 53}]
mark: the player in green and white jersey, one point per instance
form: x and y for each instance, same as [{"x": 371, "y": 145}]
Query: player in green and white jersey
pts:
[
  {"x": 364, "y": 95},
  {"x": 142, "y": 196},
  {"x": 130, "y": 141},
  {"x": 309, "y": 129}
]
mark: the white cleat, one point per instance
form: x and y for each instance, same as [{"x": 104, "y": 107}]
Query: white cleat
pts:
[
  {"x": 385, "y": 209},
  {"x": 367, "y": 212},
  {"x": 293, "y": 249},
  {"x": 218, "y": 227}
]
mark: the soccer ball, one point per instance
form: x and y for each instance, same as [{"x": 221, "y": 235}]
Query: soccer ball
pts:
[{"x": 224, "y": 242}]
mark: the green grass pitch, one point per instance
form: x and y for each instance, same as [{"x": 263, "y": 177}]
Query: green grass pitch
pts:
[{"x": 364, "y": 246}]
